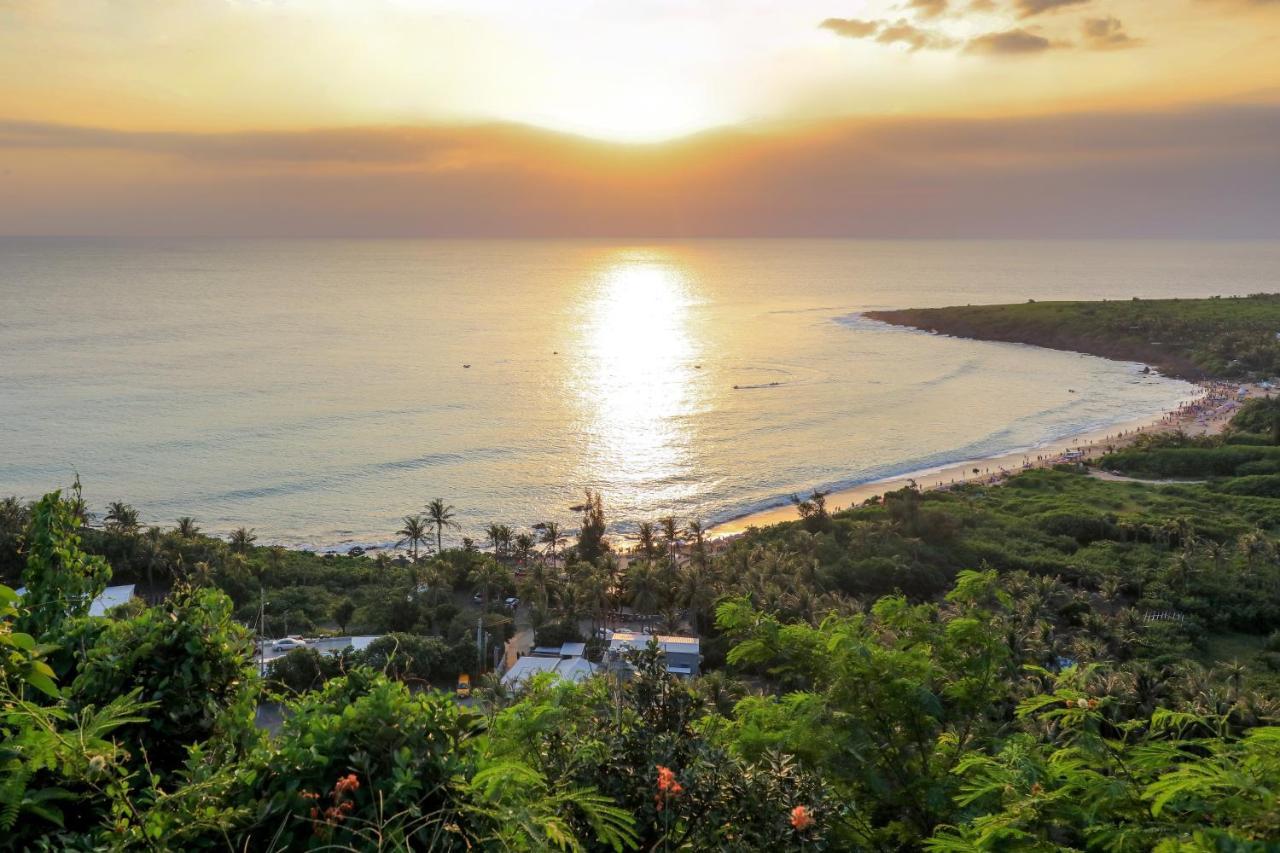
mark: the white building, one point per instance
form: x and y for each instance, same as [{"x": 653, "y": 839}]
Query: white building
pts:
[
  {"x": 112, "y": 596},
  {"x": 566, "y": 662},
  {"x": 683, "y": 655}
]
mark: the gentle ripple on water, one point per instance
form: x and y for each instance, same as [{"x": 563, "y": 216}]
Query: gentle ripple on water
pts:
[{"x": 316, "y": 390}]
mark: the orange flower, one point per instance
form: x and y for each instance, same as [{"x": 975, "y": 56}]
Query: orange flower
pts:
[
  {"x": 801, "y": 819},
  {"x": 666, "y": 779},
  {"x": 346, "y": 785}
]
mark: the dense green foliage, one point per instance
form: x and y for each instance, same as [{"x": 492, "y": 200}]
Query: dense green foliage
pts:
[
  {"x": 1232, "y": 337},
  {"x": 1061, "y": 662}
]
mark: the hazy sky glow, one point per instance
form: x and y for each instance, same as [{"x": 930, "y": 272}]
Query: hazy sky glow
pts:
[{"x": 645, "y": 117}]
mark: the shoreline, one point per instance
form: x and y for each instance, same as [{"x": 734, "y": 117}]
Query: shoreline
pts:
[{"x": 1206, "y": 413}]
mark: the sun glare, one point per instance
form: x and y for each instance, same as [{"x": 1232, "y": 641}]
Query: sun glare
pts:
[{"x": 641, "y": 383}]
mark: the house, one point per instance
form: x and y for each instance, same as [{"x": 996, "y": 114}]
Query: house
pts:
[
  {"x": 566, "y": 662},
  {"x": 683, "y": 655},
  {"x": 570, "y": 669},
  {"x": 112, "y": 596}
]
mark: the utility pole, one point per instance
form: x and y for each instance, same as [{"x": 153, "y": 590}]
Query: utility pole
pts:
[{"x": 479, "y": 645}]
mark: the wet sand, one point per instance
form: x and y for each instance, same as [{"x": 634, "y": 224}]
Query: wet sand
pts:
[{"x": 1191, "y": 417}]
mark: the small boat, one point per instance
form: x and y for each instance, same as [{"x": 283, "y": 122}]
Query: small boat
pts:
[{"x": 466, "y": 365}]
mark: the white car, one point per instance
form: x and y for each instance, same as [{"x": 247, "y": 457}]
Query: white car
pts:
[
  {"x": 285, "y": 644},
  {"x": 513, "y": 602}
]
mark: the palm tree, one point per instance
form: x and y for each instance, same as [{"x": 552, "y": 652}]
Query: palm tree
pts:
[
  {"x": 523, "y": 547},
  {"x": 414, "y": 533},
  {"x": 242, "y": 540},
  {"x": 186, "y": 527},
  {"x": 646, "y": 536},
  {"x": 642, "y": 586},
  {"x": 699, "y": 541},
  {"x": 553, "y": 538},
  {"x": 500, "y": 538},
  {"x": 440, "y": 514},
  {"x": 488, "y": 574},
  {"x": 121, "y": 517},
  {"x": 670, "y": 533}
]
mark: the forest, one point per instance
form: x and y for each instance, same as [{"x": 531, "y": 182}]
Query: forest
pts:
[
  {"x": 1066, "y": 661},
  {"x": 1234, "y": 337}
]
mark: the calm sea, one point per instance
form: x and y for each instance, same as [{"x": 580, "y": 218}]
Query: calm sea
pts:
[{"x": 317, "y": 390}]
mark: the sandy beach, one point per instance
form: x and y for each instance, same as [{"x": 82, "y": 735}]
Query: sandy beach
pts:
[{"x": 1206, "y": 413}]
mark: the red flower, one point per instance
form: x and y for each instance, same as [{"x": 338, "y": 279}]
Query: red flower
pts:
[
  {"x": 801, "y": 819},
  {"x": 667, "y": 786},
  {"x": 346, "y": 785}
]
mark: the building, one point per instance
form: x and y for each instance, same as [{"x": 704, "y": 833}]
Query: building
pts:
[
  {"x": 112, "y": 596},
  {"x": 564, "y": 662},
  {"x": 683, "y": 655}
]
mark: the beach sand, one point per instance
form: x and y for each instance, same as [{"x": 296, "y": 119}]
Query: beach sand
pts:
[{"x": 1196, "y": 416}]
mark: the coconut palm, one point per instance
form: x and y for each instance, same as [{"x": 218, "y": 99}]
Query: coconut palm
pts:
[
  {"x": 414, "y": 533},
  {"x": 121, "y": 517},
  {"x": 553, "y": 538},
  {"x": 670, "y": 533},
  {"x": 488, "y": 575},
  {"x": 242, "y": 539},
  {"x": 523, "y": 544},
  {"x": 646, "y": 536},
  {"x": 187, "y": 527},
  {"x": 499, "y": 538},
  {"x": 440, "y": 515},
  {"x": 642, "y": 587}
]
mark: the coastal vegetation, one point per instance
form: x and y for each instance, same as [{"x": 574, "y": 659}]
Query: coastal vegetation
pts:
[
  {"x": 1060, "y": 662},
  {"x": 1225, "y": 337}
]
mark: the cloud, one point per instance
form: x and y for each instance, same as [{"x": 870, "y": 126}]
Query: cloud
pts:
[
  {"x": 851, "y": 27},
  {"x": 1016, "y": 42},
  {"x": 1208, "y": 171},
  {"x": 1028, "y": 8},
  {"x": 901, "y": 31},
  {"x": 929, "y": 8},
  {"x": 1106, "y": 34}
]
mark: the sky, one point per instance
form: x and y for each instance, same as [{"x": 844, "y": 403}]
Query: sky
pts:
[{"x": 641, "y": 118}]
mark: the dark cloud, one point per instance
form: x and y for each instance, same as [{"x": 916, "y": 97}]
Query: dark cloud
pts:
[
  {"x": 1017, "y": 42},
  {"x": 1209, "y": 171},
  {"x": 1106, "y": 34},
  {"x": 851, "y": 27},
  {"x": 1028, "y": 8}
]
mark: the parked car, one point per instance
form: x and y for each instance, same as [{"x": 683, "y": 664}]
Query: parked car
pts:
[
  {"x": 513, "y": 602},
  {"x": 477, "y": 598},
  {"x": 464, "y": 686},
  {"x": 285, "y": 644}
]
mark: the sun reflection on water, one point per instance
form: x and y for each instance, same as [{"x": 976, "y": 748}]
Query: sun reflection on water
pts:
[{"x": 640, "y": 384}]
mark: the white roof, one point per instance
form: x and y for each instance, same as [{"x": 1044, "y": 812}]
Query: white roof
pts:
[
  {"x": 112, "y": 596},
  {"x": 623, "y": 640},
  {"x": 570, "y": 669}
]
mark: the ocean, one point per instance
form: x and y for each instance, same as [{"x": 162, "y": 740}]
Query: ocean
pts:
[{"x": 318, "y": 390}]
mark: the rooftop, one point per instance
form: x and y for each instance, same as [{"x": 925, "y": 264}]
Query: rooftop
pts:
[
  {"x": 622, "y": 640},
  {"x": 575, "y": 669}
]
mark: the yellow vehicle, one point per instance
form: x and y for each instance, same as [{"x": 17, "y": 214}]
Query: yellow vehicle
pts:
[{"x": 464, "y": 686}]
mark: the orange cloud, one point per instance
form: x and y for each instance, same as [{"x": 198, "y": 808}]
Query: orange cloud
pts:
[{"x": 1203, "y": 171}]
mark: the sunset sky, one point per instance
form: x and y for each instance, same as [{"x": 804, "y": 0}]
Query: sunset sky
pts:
[{"x": 641, "y": 117}]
